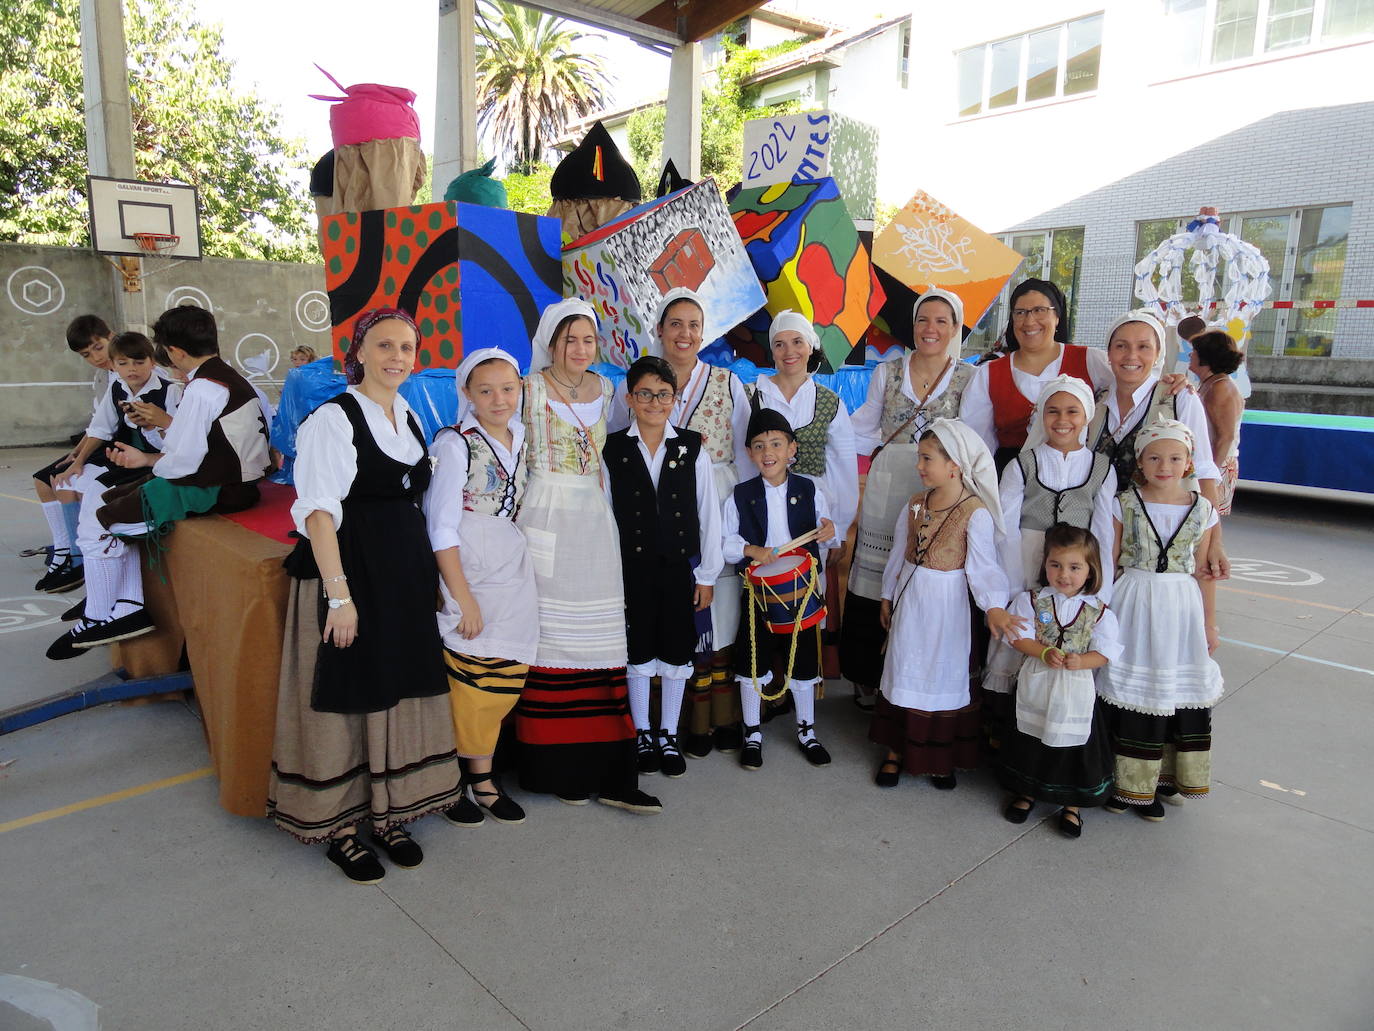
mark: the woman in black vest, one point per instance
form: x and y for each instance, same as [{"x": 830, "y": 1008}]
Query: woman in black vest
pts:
[{"x": 363, "y": 724}]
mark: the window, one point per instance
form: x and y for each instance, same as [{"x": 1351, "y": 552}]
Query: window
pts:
[
  {"x": 1053, "y": 254},
  {"x": 1057, "y": 61},
  {"x": 1306, "y": 251},
  {"x": 904, "y": 55},
  {"x": 1203, "y": 32}
]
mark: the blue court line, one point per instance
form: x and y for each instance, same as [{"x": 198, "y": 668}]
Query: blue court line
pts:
[{"x": 1295, "y": 655}]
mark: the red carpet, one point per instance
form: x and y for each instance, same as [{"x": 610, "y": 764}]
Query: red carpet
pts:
[{"x": 271, "y": 516}]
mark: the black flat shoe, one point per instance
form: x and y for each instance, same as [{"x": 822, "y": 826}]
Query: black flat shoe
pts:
[
  {"x": 813, "y": 750},
  {"x": 400, "y": 848},
  {"x": 646, "y": 753},
  {"x": 77, "y": 611},
  {"x": 634, "y": 801},
  {"x": 1015, "y": 812},
  {"x": 61, "y": 578},
  {"x": 889, "y": 772},
  {"x": 502, "y": 807},
  {"x": 946, "y": 783},
  {"x": 1154, "y": 812},
  {"x": 357, "y": 861},
  {"x": 671, "y": 762},
  {"x": 697, "y": 746},
  {"x": 728, "y": 739},
  {"x": 751, "y": 754},
  {"x": 1116, "y": 805},
  {"x": 1070, "y": 824},
  {"x": 464, "y": 813}
]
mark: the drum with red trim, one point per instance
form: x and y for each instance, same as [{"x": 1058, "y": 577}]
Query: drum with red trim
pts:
[{"x": 789, "y": 591}]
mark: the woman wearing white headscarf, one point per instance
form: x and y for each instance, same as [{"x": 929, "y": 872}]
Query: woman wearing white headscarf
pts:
[
  {"x": 490, "y": 615},
  {"x": 713, "y": 402},
  {"x": 904, "y": 398},
  {"x": 573, "y": 719},
  {"x": 1137, "y": 397},
  {"x": 944, "y": 547}
]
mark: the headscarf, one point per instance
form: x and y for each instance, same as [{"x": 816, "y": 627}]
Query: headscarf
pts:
[
  {"x": 976, "y": 470},
  {"x": 1163, "y": 429},
  {"x": 1061, "y": 384},
  {"x": 678, "y": 293},
  {"x": 353, "y": 369},
  {"x": 541, "y": 347},
  {"x": 956, "y": 342},
  {"x": 1148, "y": 318},
  {"x": 465, "y": 370},
  {"x": 788, "y": 320}
]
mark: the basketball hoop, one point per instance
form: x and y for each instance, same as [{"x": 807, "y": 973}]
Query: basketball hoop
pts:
[
  {"x": 152, "y": 245},
  {"x": 156, "y": 243}
]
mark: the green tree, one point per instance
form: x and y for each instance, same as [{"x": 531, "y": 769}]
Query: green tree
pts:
[
  {"x": 532, "y": 79},
  {"x": 190, "y": 125},
  {"x": 529, "y": 192}
]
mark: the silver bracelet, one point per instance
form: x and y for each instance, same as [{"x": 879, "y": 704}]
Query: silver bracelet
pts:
[{"x": 333, "y": 579}]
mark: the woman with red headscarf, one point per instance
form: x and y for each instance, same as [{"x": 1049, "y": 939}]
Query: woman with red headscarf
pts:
[{"x": 363, "y": 726}]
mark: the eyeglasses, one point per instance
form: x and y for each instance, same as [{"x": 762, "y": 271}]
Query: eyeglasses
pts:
[
  {"x": 1022, "y": 313},
  {"x": 663, "y": 397}
]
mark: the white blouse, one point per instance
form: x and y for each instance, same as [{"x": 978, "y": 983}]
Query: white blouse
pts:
[
  {"x": 1190, "y": 413},
  {"x": 1106, "y": 638},
  {"x": 981, "y": 566},
  {"x": 443, "y": 502},
  {"x": 327, "y": 462},
  {"x": 1057, "y": 471},
  {"x": 867, "y": 420},
  {"x": 975, "y": 408},
  {"x": 1167, "y": 518},
  {"x": 733, "y": 545},
  {"x": 689, "y": 396},
  {"x": 840, "y": 484}
]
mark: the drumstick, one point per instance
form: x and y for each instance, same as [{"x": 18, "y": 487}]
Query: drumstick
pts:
[{"x": 795, "y": 542}]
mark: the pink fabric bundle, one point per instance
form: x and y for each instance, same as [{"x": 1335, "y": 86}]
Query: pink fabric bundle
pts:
[{"x": 370, "y": 111}]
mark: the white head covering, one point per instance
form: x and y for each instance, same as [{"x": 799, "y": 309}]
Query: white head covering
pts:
[
  {"x": 464, "y": 373},
  {"x": 976, "y": 469},
  {"x": 677, "y": 293},
  {"x": 1148, "y": 318},
  {"x": 789, "y": 320},
  {"x": 541, "y": 347},
  {"x": 1061, "y": 384},
  {"x": 956, "y": 342},
  {"x": 1163, "y": 429}
]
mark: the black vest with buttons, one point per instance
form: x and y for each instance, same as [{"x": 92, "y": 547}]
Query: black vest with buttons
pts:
[
  {"x": 660, "y": 524},
  {"x": 752, "y": 506},
  {"x": 124, "y": 433}
]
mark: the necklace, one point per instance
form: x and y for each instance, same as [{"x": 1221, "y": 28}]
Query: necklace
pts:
[
  {"x": 571, "y": 389},
  {"x": 925, "y": 383}
]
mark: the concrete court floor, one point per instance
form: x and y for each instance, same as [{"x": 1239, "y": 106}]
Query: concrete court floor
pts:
[{"x": 793, "y": 898}]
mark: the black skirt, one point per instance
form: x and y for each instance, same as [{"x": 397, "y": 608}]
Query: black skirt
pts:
[
  {"x": 862, "y": 639},
  {"x": 1080, "y": 775}
]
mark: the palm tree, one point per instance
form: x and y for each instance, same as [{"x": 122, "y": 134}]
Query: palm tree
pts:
[{"x": 532, "y": 79}]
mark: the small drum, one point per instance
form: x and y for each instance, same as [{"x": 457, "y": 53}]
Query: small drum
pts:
[{"x": 789, "y": 592}]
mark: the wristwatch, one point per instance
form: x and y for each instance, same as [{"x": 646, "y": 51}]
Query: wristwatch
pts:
[{"x": 338, "y": 603}]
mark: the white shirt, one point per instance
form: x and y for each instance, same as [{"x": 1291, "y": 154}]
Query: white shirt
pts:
[
  {"x": 867, "y": 420},
  {"x": 1190, "y": 413},
  {"x": 775, "y": 497},
  {"x": 187, "y": 440},
  {"x": 708, "y": 505},
  {"x": 1106, "y": 637},
  {"x": 840, "y": 484},
  {"x": 689, "y": 396},
  {"x": 443, "y": 503},
  {"x": 1167, "y": 518},
  {"x": 327, "y": 461},
  {"x": 975, "y": 408},
  {"x": 981, "y": 566},
  {"x": 104, "y": 423},
  {"x": 1057, "y": 471}
]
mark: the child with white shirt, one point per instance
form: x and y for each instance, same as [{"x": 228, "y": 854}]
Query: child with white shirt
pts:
[
  {"x": 490, "y": 615},
  {"x": 662, "y": 491},
  {"x": 211, "y": 459},
  {"x": 763, "y": 513}
]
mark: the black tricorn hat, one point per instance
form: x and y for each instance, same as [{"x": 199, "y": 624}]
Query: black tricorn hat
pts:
[
  {"x": 763, "y": 420},
  {"x": 595, "y": 168},
  {"x": 670, "y": 181}
]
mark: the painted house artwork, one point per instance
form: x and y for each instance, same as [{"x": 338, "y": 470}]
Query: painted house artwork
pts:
[{"x": 683, "y": 239}]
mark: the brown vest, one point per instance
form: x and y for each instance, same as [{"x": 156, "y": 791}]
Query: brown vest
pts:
[{"x": 236, "y": 446}]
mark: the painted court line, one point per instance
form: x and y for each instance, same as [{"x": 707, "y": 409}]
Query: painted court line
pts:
[
  {"x": 1279, "y": 651},
  {"x": 16, "y": 497},
  {"x": 1293, "y": 601},
  {"x": 116, "y": 796}
]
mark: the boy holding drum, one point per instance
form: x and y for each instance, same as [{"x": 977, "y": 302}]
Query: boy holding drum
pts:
[{"x": 763, "y": 513}]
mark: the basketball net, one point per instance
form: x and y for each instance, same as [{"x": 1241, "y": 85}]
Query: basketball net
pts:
[{"x": 153, "y": 245}]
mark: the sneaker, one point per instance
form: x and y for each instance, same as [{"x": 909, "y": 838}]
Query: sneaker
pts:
[
  {"x": 1170, "y": 793},
  {"x": 670, "y": 758},
  {"x": 357, "y": 861},
  {"x": 400, "y": 848},
  {"x": 1154, "y": 812},
  {"x": 697, "y": 746},
  {"x": 728, "y": 739},
  {"x": 134, "y": 624},
  {"x": 634, "y": 800},
  {"x": 646, "y": 753},
  {"x": 77, "y": 611},
  {"x": 1116, "y": 805},
  {"x": 464, "y": 813},
  {"x": 63, "y": 577}
]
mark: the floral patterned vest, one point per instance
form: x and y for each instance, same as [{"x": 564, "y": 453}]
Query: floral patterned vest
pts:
[
  {"x": 898, "y": 408},
  {"x": 553, "y": 445},
  {"x": 490, "y": 488},
  {"x": 1143, "y": 548},
  {"x": 1076, "y": 638},
  {"x": 712, "y": 416}
]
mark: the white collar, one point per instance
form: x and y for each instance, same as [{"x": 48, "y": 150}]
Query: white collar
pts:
[
  {"x": 399, "y": 408},
  {"x": 1083, "y": 597},
  {"x": 773, "y": 486},
  {"x": 1050, "y": 453},
  {"x": 668, "y": 431},
  {"x": 1137, "y": 395},
  {"x": 766, "y": 384}
]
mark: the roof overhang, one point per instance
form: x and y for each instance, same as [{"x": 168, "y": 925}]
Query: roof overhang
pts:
[{"x": 658, "y": 25}]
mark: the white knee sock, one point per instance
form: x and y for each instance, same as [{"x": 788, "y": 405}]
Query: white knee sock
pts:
[
  {"x": 639, "y": 700},
  {"x": 804, "y": 695},
  {"x": 749, "y": 704},
  {"x": 130, "y": 596},
  {"x": 102, "y": 586},
  {"x": 57, "y": 524},
  {"x": 671, "y": 703}
]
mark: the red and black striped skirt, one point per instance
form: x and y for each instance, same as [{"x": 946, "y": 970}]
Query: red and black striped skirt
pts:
[{"x": 575, "y": 733}]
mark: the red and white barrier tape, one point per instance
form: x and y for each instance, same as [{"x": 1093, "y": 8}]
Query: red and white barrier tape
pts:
[{"x": 1340, "y": 303}]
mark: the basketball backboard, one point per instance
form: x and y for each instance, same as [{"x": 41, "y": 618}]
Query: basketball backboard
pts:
[{"x": 122, "y": 208}]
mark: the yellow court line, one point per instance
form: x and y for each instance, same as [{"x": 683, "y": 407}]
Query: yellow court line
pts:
[
  {"x": 1294, "y": 601},
  {"x": 16, "y": 497},
  {"x": 117, "y": 796}
]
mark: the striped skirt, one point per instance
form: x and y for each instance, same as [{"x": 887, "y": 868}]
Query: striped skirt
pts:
[
  {"x": 482, "y": 692},
  {"x": 332, "y": 770},
  {"x": 1152, "y": 750},
  {"x": 575, "y": 733}
]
